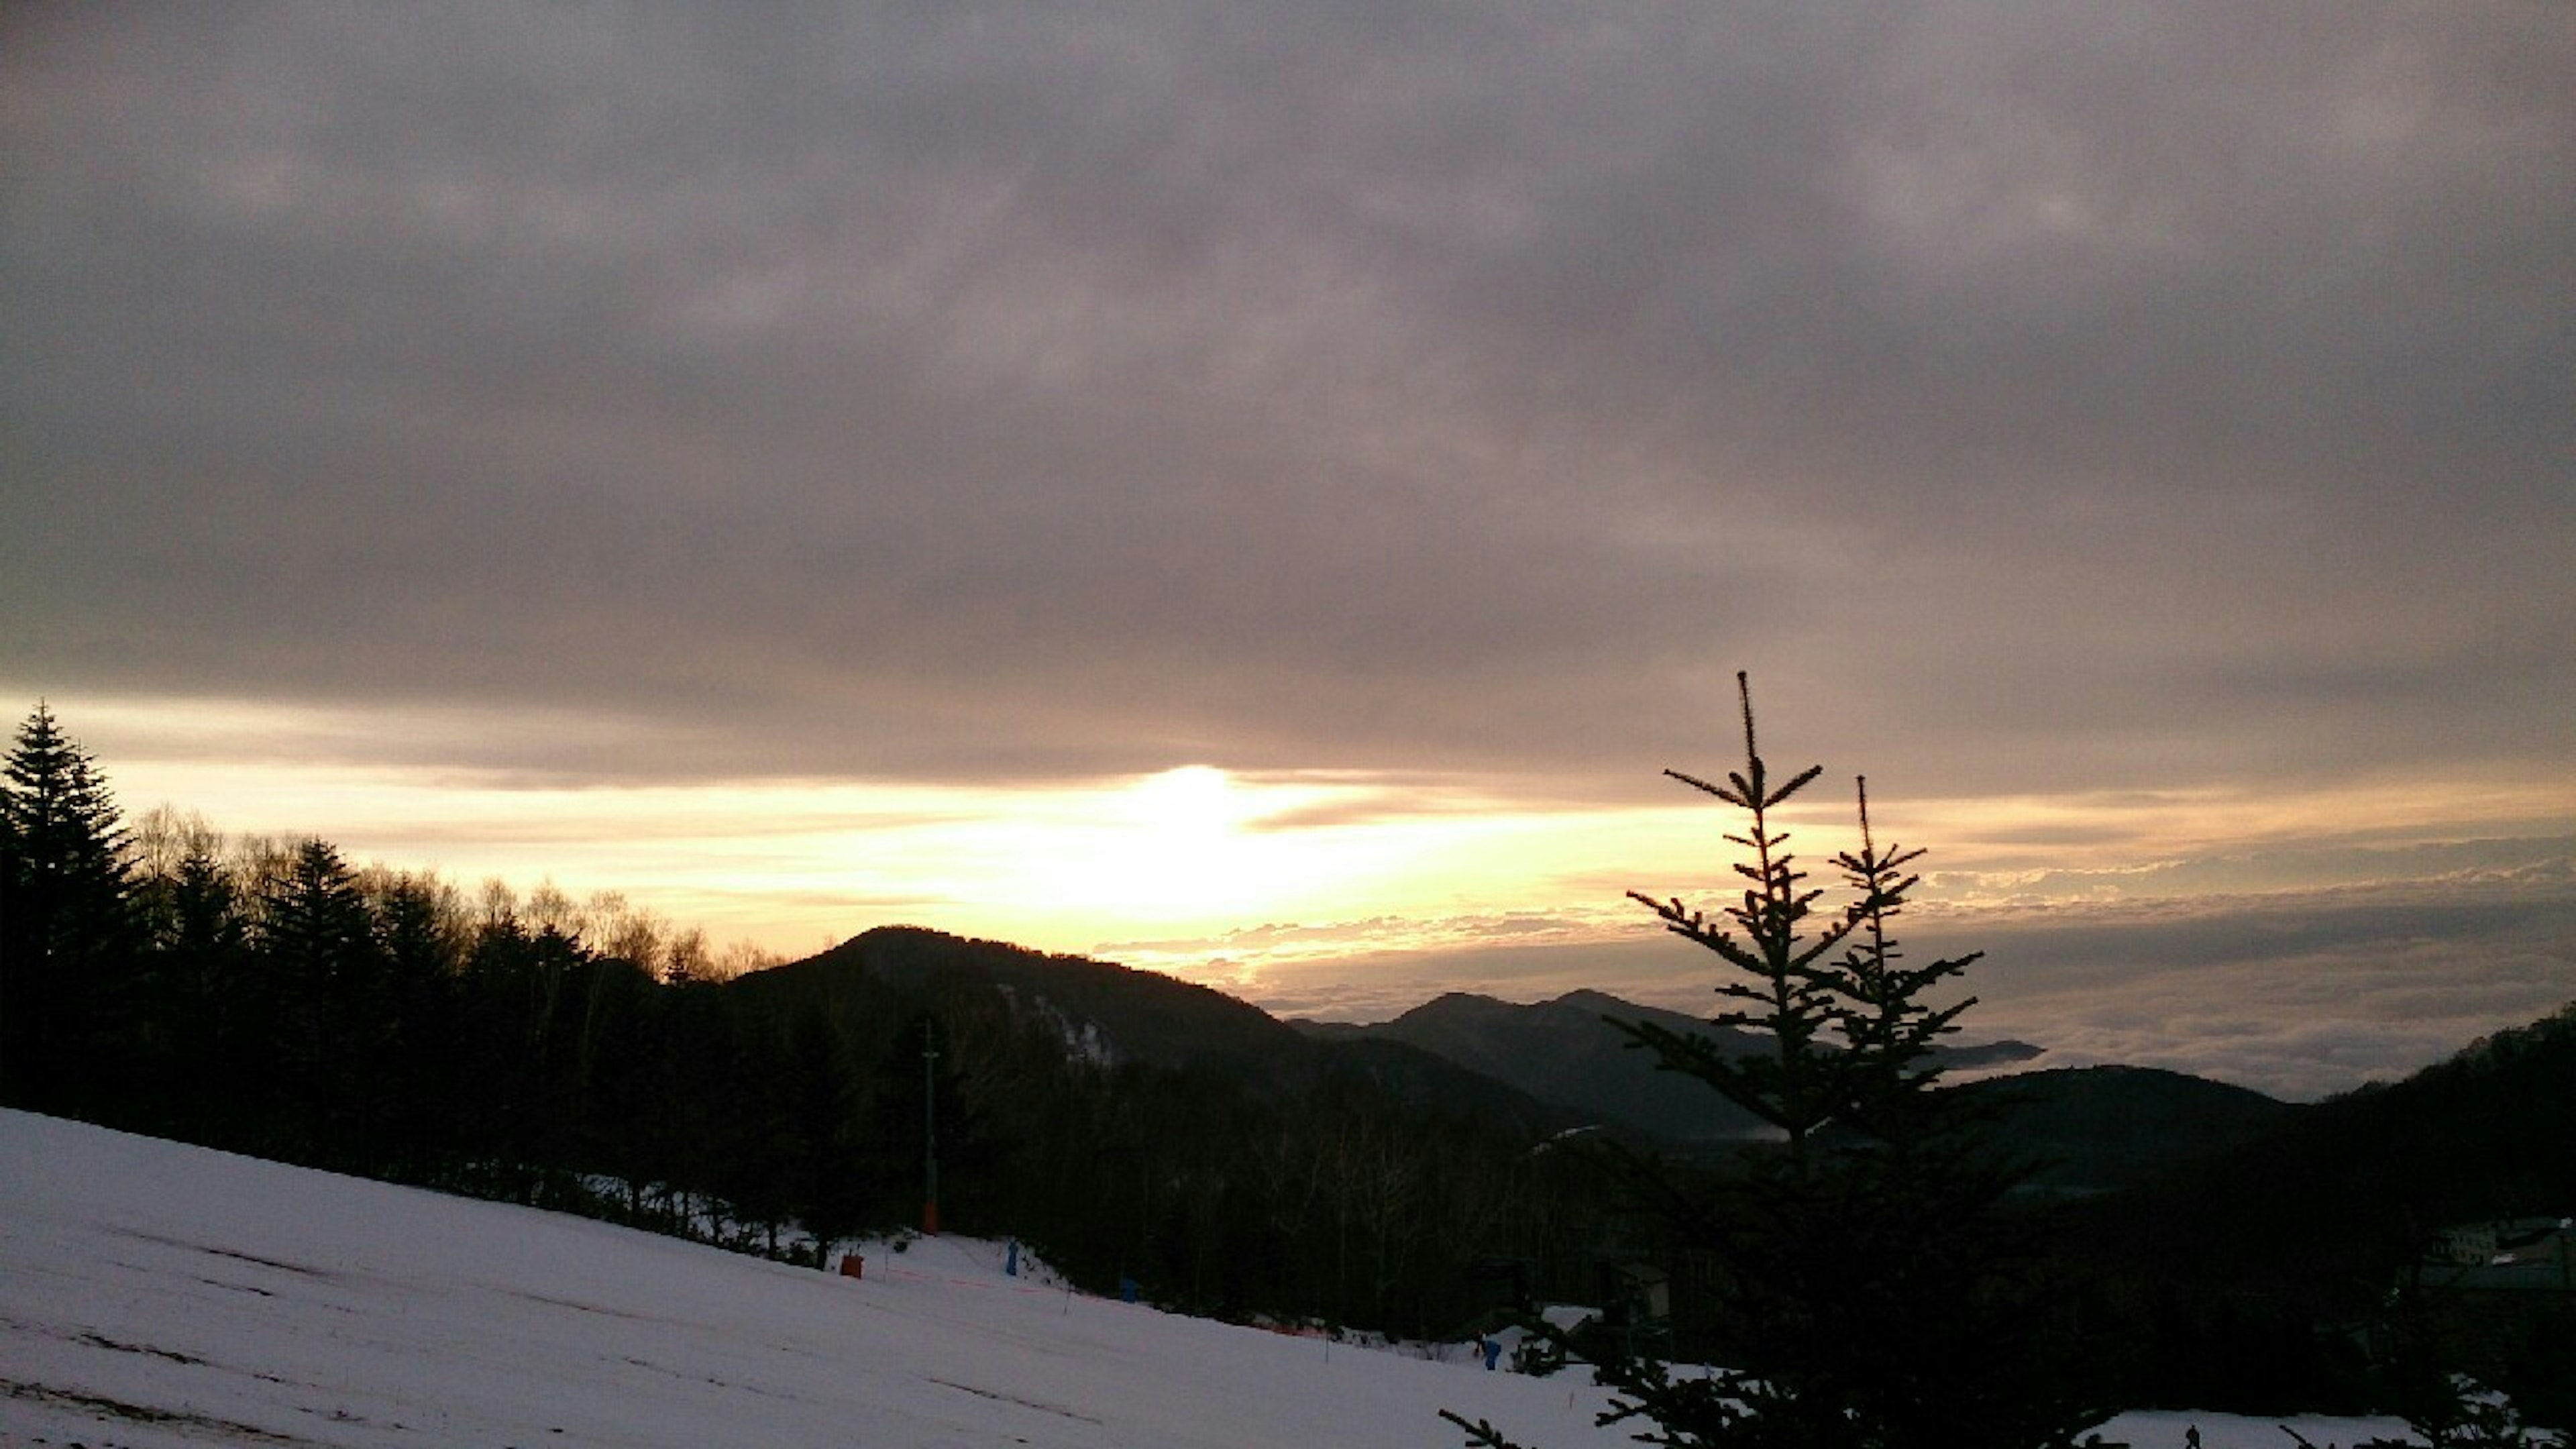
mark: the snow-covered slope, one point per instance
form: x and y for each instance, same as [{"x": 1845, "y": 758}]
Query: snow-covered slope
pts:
[{"x": 159, "y": 1295}]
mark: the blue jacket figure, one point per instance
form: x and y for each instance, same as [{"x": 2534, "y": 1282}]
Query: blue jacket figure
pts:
[
  {"x": 1492, "y": 1349},
  {"x": 1011, "y": 1262}
]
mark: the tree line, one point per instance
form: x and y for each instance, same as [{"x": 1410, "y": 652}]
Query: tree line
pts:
[{"x": 271, "y": 997}]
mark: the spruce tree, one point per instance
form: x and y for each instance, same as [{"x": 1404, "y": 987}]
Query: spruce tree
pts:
[
  {"x": 68, "y": 941},
  {"x": 1862, "y": 1291},
  {"x": 320, "y": 973},
  {"x": 204, "y": 956},
  {"x": 410, "y": 1021}
]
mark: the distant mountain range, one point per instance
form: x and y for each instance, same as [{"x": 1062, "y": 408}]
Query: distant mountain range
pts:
[
  {"x": 2222, "y": 1227},
  {"x": 1565, "y": 1051},
  {"x": 1543, "y": 1067},
  {"x": 1552, "y": 1065},
  {"x": 1117, "y": 1015}
]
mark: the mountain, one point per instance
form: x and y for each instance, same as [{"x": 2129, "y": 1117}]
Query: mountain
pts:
[
  {"x": 1564, "y": 1051},
  {"x": 1537, "y": 1068},
  {"x": 1116, "y": 1015},
  {"x": 2332, "y": 1198},
  {"x": 1534, "y": 1069},
  {"x": 2187, "y": 1174},
  {"x": 1113, "y": 1014},
  {"x": 2098, "y": 1129},
  {"x": 2239, "y": 1258}
]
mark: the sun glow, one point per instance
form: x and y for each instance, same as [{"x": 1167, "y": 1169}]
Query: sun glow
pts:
[
  {"x": 1189, "y": 851},
  {"x": 1184, "y": 846},
  {"x": 1188, "y": 804},
  {"x": 1179, "y": 837},
  {"x": 1195, "y": 869}
]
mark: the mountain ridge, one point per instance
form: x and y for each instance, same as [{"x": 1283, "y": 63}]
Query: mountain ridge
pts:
[
  {"x": 1128, "y": 1015},
  {"x": 1540, "y": 1067},
  {"x": 1565, "y": 1050}
]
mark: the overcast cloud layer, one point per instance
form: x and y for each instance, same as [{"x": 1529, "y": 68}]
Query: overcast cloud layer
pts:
[
  {"x": 2086, "y": 395},
  {"x": 2093, "y": 403}
]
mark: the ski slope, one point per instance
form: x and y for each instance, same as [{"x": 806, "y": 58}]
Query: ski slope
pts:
[{"x": 155, "y": 1295}]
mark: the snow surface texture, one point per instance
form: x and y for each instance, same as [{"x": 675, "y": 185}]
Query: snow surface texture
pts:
[{"x": 159, "y": 1295}]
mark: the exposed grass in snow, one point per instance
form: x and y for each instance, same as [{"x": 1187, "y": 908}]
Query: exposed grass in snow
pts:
[{"x": 159, "y": 1295}]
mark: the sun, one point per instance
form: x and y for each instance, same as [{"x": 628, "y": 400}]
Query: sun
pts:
[
  {"x": 1191, "y": 804},
  {"x": 1186, "y": 846},
  {"x": 1176, "y": 843}
]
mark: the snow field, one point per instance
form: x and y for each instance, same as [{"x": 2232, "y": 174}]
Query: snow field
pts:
[{"x": 154, "y": 1295}]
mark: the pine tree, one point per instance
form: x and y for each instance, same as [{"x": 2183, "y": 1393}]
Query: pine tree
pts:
[
  {"x": 68, "y": 943},
  {"x": 1864, "y": 1293},
  {"x": 321, "y": 974},
  {"x": 411, "y": 1021},
  {"x": 204, "y": 956},
  {"x": 520, "y": 996}
]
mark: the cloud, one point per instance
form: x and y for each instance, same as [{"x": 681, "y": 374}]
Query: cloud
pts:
[
  {"x": 2299, "y": 994},
  {"x": 2138, "y": 435},
  {"x": 982, "y": 394}
]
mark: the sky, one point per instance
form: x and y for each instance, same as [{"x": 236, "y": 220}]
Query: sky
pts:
[{"x": 1263, "y": 492}]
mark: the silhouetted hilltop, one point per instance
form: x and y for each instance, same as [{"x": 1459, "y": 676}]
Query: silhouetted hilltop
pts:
[
  {"x": 2335, "y": 1196},
  {"x": 1116, "y": 1015},
  {"x": 1565, "y": 1051},
  {"x": 2097, "y": 1129},
  {"x": 2250, "y": 1274}
]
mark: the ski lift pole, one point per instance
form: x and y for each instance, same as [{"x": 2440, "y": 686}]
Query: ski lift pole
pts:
[{"x": 929, "y": 1133}]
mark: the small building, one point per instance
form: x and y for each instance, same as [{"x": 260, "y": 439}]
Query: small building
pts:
[
  {"x": 2515, "y": 1255},
  {"x": 1638, "y": 1292},
  {"x": 2494, "y": 1292}
]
